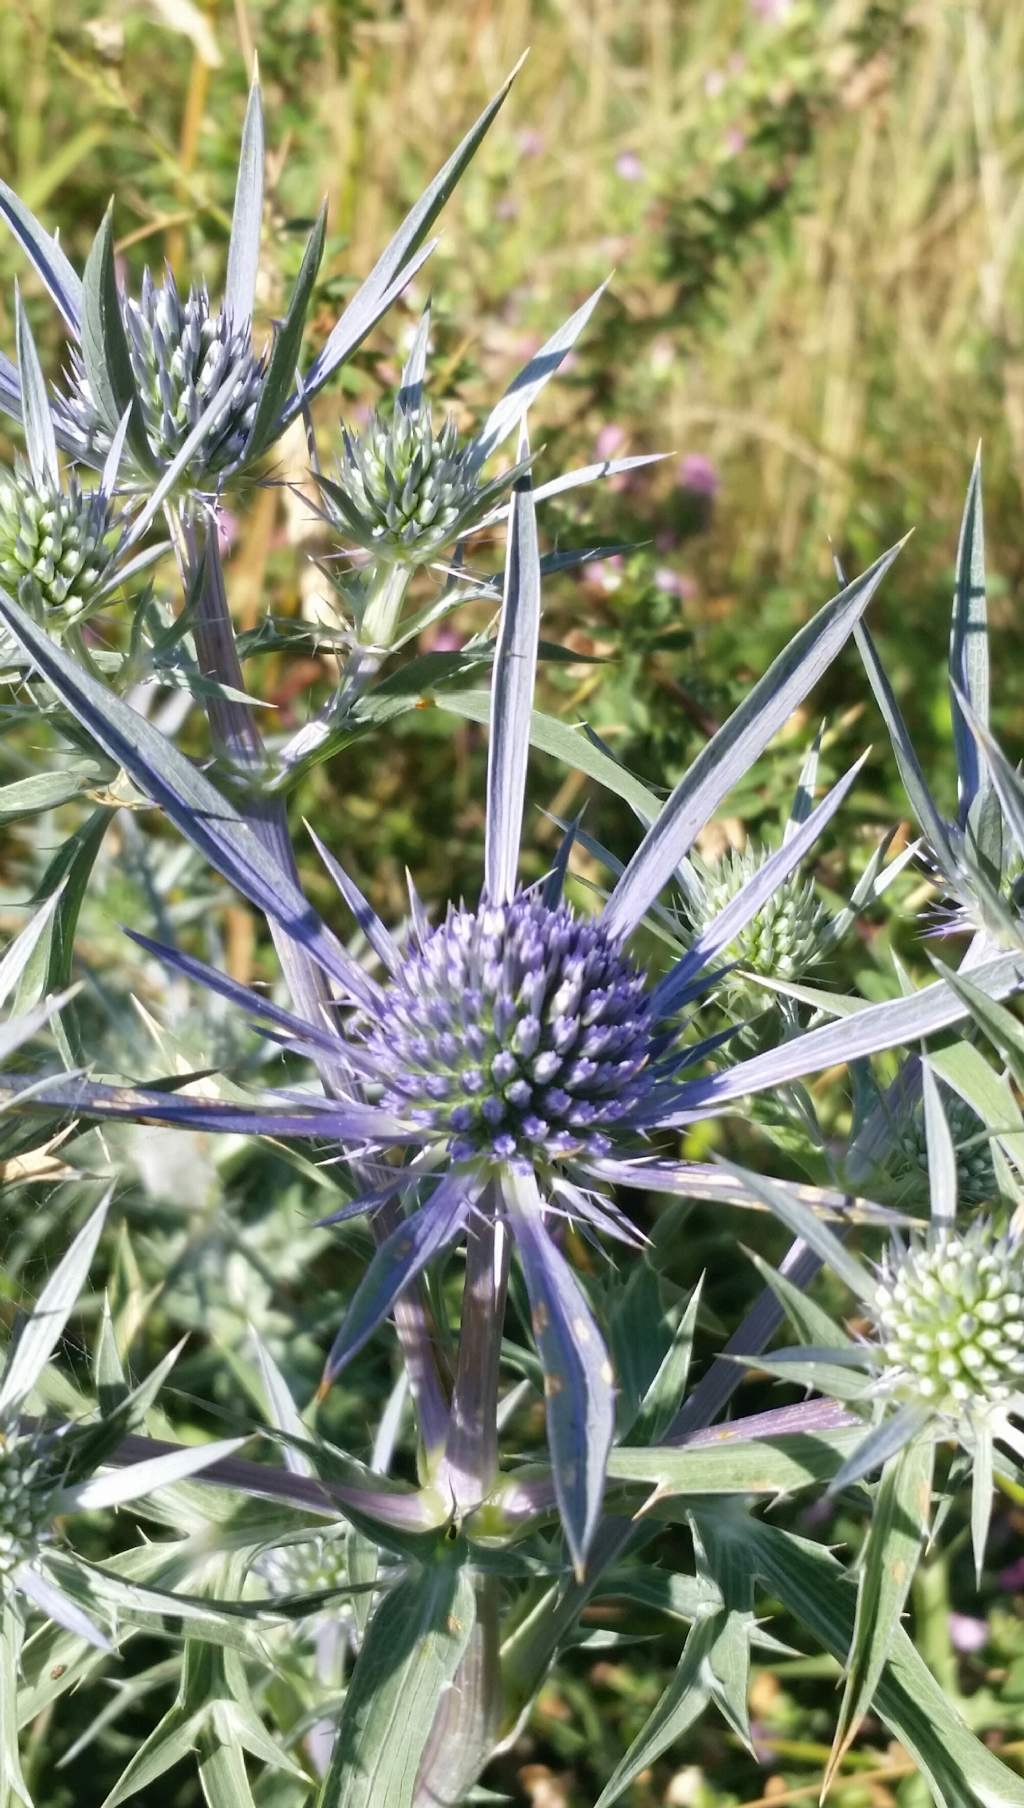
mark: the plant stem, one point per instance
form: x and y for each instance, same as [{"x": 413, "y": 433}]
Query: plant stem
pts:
[
  {"x": 470, "y": 1462},
  {"x": 469, "y": 1713}
]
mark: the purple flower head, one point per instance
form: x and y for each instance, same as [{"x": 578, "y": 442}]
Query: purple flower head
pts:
[
  {"x": 629, "y": 166},
  {"x": 697, "y": 473},
  {"x": 514, "y": 1031},
  {"x": 773, "y": 12},
  {"x": 967, "y": 1633}
]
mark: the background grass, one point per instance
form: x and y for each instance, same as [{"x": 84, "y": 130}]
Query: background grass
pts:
[{"x": 814, "y": 213}]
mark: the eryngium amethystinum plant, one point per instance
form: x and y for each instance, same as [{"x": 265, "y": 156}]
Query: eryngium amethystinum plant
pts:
[{"x": 509, "y": 1073}]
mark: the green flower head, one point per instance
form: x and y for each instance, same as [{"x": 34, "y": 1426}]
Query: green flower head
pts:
[{"x": 950, "y": 1320}]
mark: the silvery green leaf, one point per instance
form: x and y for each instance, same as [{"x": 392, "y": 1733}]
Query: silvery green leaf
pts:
[
  {"x": 116, "y": 1488},
  {"x": 283, "y": 1411},
  {"x": 173, "y": 1740},
  {"x": 515, "y": 665},
  {"x": 222, "y": 1770},
  {"x": 62, "y": 282},
  {"x": 1006, "y": 781},
  {"x": 549, "y": 735},
  {"x": 377, "y": 935},
  {"x": 810, "y": 1321},
  {"x": 732, "y": 751},
  {"x": 941, "y": 1153},
  {"x": 874, "y": 881},
  {"x": 981, "y": 1493},
  {"x": 193, "y": 804},
  {"x": 255, "y": 1004},
  {"x": 350, "y": 331},
  {"x": 41, "y": 791},
  {"x": 409, "y": 1657},
  {"x": 968, "y": 646},
  {"x": 50, "y": 967},
  {"x": 247, "y": 218},
  {"x": 713, "y": 1180},
  {"x": 40, "y": 1333},
  {"x": 279, "y": 376},
  {"x": 662, "y": 1399},
  {"x": 803, "y": 800},
  {"x": 40, "y": 440},
  {"x": 573, "y": 480},
  {"x": 883, "y": 1441},
  {"x": 526, "y": 386},
  {"x": 13, "y": 1787},
  {"x": 19, "y": 952},
  {"x": 105, "y": 345},
  {"x": 680, "y": 1706},
  {"x": 111, "y": 469},
  {"x": 864, "y": 1031},
  {"x": 737, "y": 1465},
  {"x": 399, "y": 1259},
  {"x": 58, "y": 1607},
  {"x": 965, "y": 1070},
  {"x": 10, "y": 388},
  {"x": 410, "y": 394},
  {"x": 900, "y": 1514},
  {"x": 915, "y": 784}
]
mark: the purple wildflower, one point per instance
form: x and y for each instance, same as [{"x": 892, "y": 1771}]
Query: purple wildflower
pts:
[{"x": 697, "y": 473}]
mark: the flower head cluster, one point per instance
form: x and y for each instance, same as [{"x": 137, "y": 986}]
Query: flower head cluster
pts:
[
  {"x": 182, "y": 355},
  {"x": 907, "y": 1158},
  {"x": 514, "y": 1030},
  {"x": 787, "y": 938},
  {"x": 950, "y": 1319},
  {"x": 27, "y": 1485},
  {"x": 403, "y": 491},
  {"x": 55, "y": 541},
  {"x": 306, "y": 1566}
]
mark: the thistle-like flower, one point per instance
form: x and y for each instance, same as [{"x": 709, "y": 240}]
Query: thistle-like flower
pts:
[
  {"x": 516, "y": 1053},
  {"x": 906, "y": 1159},
  {"x": 404, "y": 492},
  {"x": 514, "y": 1031},
  {"x": 183, "y": 356},
  {"x": 56, "y": 550},
  {"x": 202, "y": 403},
  {"x": 950, "y": 1320},
  {"x": 790, "y": 936},
  {"x": 27, "y": 1487},
  {"x": 62, "y": 547}
]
